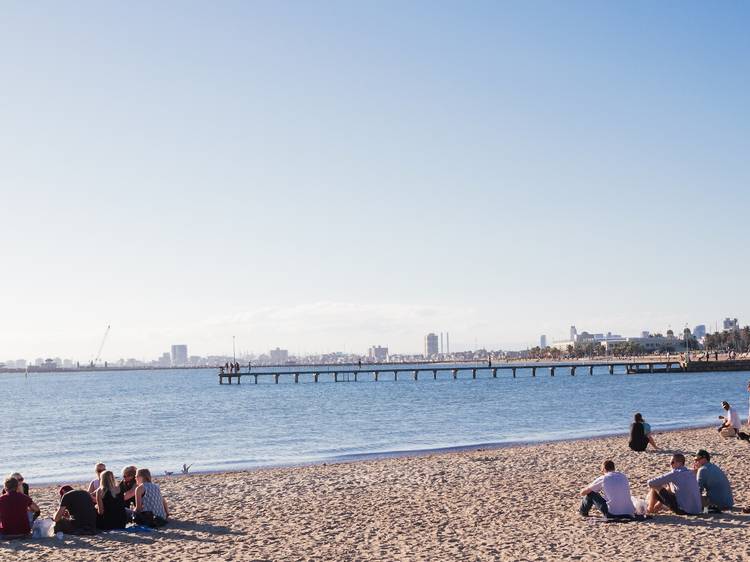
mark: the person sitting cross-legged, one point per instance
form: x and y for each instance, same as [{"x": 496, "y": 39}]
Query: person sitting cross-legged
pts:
[{"x": 610, "y": 493}]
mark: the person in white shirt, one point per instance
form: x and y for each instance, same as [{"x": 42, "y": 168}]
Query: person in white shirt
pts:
[
  {"x": 610, "y": 493},
  {"x": 732, "y": 424}
]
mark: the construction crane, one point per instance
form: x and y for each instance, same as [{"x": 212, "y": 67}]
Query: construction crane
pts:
[{"x": 98, "y": 357}]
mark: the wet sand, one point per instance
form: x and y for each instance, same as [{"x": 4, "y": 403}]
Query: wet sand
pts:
[{"x": 514, "y": 503}]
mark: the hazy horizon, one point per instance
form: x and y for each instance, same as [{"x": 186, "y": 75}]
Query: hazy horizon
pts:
[{"x": 330, "y": 176}]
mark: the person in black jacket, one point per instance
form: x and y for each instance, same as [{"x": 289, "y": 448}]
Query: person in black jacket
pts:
[{"x": 638, "y": 438}]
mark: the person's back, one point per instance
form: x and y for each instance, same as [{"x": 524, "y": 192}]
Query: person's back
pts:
[
  {"x": 616, "y": 489},
  {"x": 716, "y": 485},
  {"x": 114, "y": 516},
  {"x": 14, "y": 519},
  {"x": 81, "y": 509},
  {"x": 152, "y": 500},
  {"x": 638, "y": 440}
]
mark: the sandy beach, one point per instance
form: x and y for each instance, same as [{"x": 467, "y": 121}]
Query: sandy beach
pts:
[{"x": 515, "y": 503}]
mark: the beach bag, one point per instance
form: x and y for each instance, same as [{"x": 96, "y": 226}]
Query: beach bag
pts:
[{"x": 43, "y": 528}]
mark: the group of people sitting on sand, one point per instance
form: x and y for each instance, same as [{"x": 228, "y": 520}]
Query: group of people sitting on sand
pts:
[
  {"x": 104, "y": 506},
  {"x": 681, "y": 490}
]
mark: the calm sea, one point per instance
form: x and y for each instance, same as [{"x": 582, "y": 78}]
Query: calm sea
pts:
[{"x": 56, "y": 426}]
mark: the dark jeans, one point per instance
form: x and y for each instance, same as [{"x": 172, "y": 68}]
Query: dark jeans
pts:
[{"x": 593, "y": 499}]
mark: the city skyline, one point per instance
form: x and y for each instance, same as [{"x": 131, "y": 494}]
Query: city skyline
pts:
[
  {"x": 329, "y": 177},
  {"x": 431, "y": 344}
]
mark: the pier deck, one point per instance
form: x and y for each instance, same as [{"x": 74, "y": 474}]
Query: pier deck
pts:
[{"x": 355, "y": 373}]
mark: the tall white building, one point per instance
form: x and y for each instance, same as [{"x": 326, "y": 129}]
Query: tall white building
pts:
[
  {"x": 279, "y": 355},
  {"x": 573, "y": 333},
  {"x": 430, "y": 345},
  {"x": 179, "y": 355},
  {"x": 543, "y": 341},
  {"x": 378, "y": 353}
]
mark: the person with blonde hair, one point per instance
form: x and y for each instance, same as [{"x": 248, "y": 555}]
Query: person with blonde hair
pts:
[
  {"x": 150, "y": 506},
  {"x": 94, "y": 484},
  {"x": 110, "y": 505}
]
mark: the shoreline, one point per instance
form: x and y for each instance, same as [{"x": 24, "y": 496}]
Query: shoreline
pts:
[{"x": 355, "y": 458}]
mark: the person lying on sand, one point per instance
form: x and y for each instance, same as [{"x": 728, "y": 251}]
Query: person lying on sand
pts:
[
  {"x": 678, "y": 490},
  {"x": 610, "y": 493}
]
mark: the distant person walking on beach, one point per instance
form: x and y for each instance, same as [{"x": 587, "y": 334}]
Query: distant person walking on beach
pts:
[
  {"x": 712, "y": 481},
  {"x": 731, "y": 425},
  {"x": 610, "y": 493},
  {"x": 677, "y": 490}
]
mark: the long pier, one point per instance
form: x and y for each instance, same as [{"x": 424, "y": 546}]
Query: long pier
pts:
[{"x": 355, "y": 373}]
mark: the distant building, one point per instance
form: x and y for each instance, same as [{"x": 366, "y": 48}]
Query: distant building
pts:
[
  {"x": 573, "y": 333},
  {"x": 586, "y": 338},
  {"x": 731, "y": 324},
  {"x": 378, "y": 353},
  {"x": 543, "y": 341},
  {"x": 645, "y": 334},
  {"x": 164, "y": 361},
  {"x": 430, "y": 345},
  {"x": 699, "y": 331},
  {"x": 279, "y": 355},
  {"x": 179, "y": 355}
]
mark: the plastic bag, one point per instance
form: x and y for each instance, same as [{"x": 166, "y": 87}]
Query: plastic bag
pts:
[
  {"x": 43, "y": 528},
  {"x": 640, "y": 505}
]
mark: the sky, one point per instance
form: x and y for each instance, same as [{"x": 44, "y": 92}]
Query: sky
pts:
[{"x": 327, "y": 176}]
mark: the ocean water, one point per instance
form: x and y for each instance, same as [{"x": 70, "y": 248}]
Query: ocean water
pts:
[{"x": 55, "y": 426}]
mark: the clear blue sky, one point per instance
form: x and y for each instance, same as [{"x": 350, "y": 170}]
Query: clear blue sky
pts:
[{"x": 330, "y": 175}]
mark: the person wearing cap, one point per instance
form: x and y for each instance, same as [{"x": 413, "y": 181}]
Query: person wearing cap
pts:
[
  {"x": 731, "y": 426},
  {"x": 677, "y": 489},
  {"x": 713, "y": 482},
  {"x": 610, "y": 493},
  {"x": 77, "y": 513}
]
